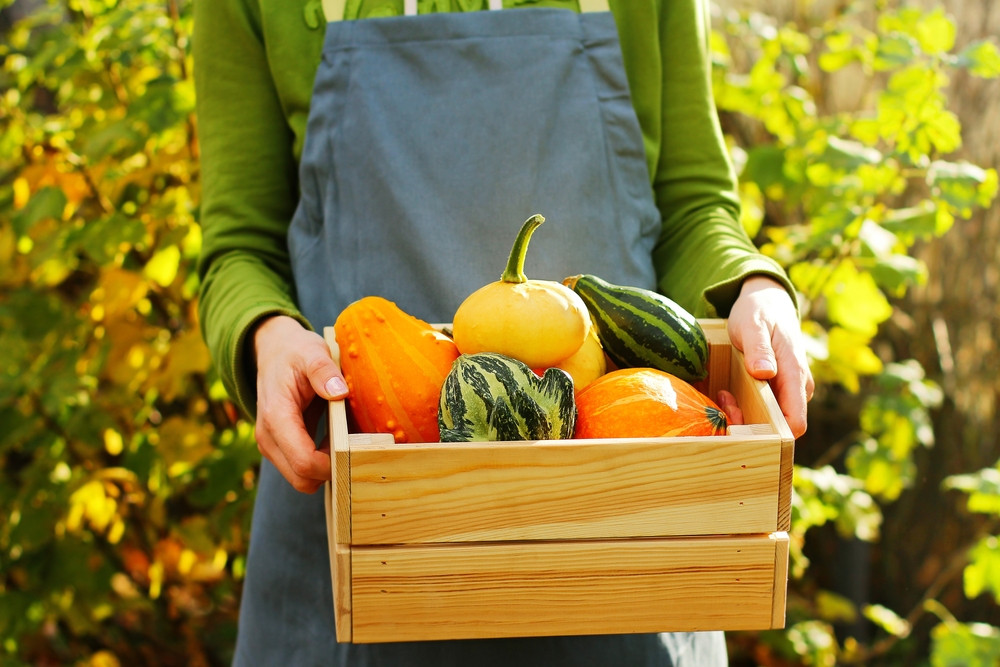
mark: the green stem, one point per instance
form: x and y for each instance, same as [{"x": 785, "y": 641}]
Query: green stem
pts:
[{"x": 514, "y": 273}]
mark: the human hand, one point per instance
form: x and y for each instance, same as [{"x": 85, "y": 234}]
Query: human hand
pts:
[
  {"x": 763, "y": 324},
  {"x": 293, "y": 369}
]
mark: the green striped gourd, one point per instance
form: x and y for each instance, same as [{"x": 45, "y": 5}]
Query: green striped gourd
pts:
[
  {"x": 641, "y": 328},
  {"x": 490, "y": 396}
]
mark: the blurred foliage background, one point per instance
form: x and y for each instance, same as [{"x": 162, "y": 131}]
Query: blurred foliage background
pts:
[{"x": 868, "y": 169}]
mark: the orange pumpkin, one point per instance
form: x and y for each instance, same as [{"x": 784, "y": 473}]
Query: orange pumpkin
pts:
[
  {"x": 395, "y": 365},
  {"x": 645, "y": 403}
]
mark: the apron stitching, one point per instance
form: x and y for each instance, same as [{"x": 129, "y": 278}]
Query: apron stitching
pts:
[{"x": 445, "y": 40}]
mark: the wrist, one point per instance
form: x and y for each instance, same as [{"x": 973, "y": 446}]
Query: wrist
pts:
[
  {"x": 758, "y": 282},
  {"x": 273, "y": 327}
]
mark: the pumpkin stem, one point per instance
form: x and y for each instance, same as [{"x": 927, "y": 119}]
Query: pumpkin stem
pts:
[{"x": 514, "y": 273}]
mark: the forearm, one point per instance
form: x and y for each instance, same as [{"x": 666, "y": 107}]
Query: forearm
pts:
[
  {"x": 248, "y": 189},
  {"x": 703, "y": 254}
]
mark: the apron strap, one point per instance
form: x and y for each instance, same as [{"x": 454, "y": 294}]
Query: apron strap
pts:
[{"x": 333, "y": 10}]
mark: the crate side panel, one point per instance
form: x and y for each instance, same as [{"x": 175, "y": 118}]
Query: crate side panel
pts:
[
  {"x": 759, "y": 406},
  {"x": 564, "y": 490},
  {"x": 562, "y": 588}
]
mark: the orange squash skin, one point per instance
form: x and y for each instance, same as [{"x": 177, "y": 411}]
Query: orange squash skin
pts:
[
  {"x": 395, "y": 365},
  {"x": 645, "y": 403}
]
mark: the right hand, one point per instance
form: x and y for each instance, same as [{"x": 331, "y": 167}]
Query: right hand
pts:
[{"x": 295, "y": 376}]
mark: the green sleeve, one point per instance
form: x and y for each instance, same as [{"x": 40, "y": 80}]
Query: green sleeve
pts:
[
  {"x": 703, "y": 254},
  {"x": 249, "y": 189}
]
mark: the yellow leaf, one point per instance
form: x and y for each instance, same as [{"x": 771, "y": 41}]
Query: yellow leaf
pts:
[
  {"x": 851, "y": 354},
  {"x": 162, "y": 267},
  {"x": 22, "y": 193},
  {"x": 183, "y": 444},
  {"x": 854, "y": 301},
  {"x": 113, "y": 443},
  {"x": 102, "y": 659},
  {"x": 188, "y": 355},
  {"x": 118, "y": 291},
  {"x": 935, "y": 32},
  {"x": 155, "y": 579}
]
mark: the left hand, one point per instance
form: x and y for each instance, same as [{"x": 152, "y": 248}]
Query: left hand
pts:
[{"x": 764, "y": 325}]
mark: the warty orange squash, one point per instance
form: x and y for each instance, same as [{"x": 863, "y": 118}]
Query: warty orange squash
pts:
[{"x": 395, "y": 365}]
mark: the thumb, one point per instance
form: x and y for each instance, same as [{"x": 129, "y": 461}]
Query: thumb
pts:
[
  {"x": 325, "y": 376},
  {"x": 758, "y": 353}
]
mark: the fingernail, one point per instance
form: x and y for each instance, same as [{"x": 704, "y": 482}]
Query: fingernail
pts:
[
  {"x": 764, "y": 365},
  {"x": 335, "y": 387}
]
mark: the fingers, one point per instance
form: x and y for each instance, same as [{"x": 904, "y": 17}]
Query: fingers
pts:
[
  {"x": 284, "y": 439},
  {"x": 325, "y": 376},
  {"x": 792, "y": 397},
  {"x": 291, "y": 451},
  {"x": 793, "y": 385},
  {"x": 294, "y": 367},
  {"x": 727, "y": 403},
  {"x": 764, "y": 325},
  {"x": 758, "y": 354}
]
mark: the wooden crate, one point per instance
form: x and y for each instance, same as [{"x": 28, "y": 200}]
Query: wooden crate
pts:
[{"x": 564, "y": 537}]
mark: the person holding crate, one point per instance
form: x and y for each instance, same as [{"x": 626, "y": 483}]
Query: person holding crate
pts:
[{"x": 376, "y": 147}]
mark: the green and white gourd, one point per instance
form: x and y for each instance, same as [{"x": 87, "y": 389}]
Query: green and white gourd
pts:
[
  {"x": 641, "y": 328},
  {"x": 492, "y": 397}
]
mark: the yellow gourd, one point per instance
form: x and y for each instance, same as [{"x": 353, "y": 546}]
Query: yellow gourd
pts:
[
  {"x": 539, "y": 322},
  {"x": 586, "y": 364}
]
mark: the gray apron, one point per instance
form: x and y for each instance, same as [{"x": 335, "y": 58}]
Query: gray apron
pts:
[{"x": 430, "y": 140}]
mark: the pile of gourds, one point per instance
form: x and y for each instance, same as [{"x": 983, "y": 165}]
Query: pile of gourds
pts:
[{"x": 529, "y": 360}]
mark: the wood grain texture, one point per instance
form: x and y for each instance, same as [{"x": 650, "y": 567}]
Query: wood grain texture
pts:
[
  {"x": 471, "y": 492},
  {"x": 563, "y": 588},
  {"x": 760, "y": 408},
  {"x": 780, "y": 579},
  {"x": 461, "y": 540}
]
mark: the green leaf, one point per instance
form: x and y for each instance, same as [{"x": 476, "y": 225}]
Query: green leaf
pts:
[
  {"x": 106, "y": 238},
  {"x": 848, "y": 155},
  {"x": 882, "y": 473},
  {"x": 982, "y": 574},
  {"x": 814, "y": 641},
  {"x": 981, "y": 58},
  {"x": 887, "y": 619},
  {"x": 47, "y": 203},
  {"x": 839, "y": 52},
  {"x": 835, "y": 608},
  {"x": 896, "y": 273},
  {"x": 113, "y": 138},
  {"x": 965, "y": 645},
  {"x": 765, "y": 166},
  {"x": 958, "y": 183},
  {"x": 920, "y": 221},
  {"x": 823, "y": 494},
  {"x": 894, "y": 50},
  {"x": 982, "y": 487}
]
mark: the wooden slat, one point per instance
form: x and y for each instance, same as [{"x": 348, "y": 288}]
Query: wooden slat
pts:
[
  {"x": 719, "y": 358},
  {"x": 340, "y": 456},
  {"x": 337, "y": 494},
  {"x": 760, "y": 407},
  {"x": 518, "y": 539},
  {"x": 563, "y": 588},
  {"x": 338, "y": 507},
  {"x": 458, "y": 492},
  {"x": 780, "y": 579}
]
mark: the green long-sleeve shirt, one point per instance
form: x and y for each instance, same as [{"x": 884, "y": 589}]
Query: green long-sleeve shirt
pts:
[{"x": 255, "y": 61}]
